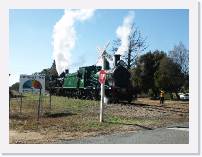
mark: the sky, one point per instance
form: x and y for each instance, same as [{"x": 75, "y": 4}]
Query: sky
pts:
[{"x": 37, "y": 37}]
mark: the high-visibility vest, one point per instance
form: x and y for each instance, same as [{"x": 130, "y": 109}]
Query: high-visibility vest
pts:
[{"x": 162, "y": 94}]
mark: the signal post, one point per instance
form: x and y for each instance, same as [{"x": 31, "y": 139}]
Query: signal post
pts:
[{"x": 102, "y": 78}]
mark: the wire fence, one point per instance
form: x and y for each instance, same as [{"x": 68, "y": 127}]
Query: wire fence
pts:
[
  {"x": 36, "y": 106},
  {"x": 32, "y": 105}
]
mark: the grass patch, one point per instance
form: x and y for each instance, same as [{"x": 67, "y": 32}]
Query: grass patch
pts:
[{"x": 132, "y": 121}]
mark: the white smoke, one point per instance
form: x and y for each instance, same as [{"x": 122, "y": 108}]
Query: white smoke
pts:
[
  {"x": 123, "y": 33},
  {"x": 64, "y": 36}
]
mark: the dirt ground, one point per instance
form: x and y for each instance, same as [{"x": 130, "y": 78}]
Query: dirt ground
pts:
[{"x": 142, "y": 114}]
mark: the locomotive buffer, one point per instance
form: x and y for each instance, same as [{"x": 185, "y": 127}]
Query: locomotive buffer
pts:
[{"x": 102, "y": 77}]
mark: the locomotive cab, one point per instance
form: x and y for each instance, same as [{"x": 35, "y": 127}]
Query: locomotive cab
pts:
[{"x": 119, "y": 80}]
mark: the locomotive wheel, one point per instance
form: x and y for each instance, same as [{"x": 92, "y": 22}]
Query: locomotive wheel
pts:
[
  {"x": 130, "y": 97},
  {"x": 115, "y": 100}
]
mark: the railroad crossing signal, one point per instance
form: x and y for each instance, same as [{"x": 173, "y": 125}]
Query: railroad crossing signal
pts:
[
  {"x": 103, "y": 53},
  {"x": 103, "y": 50},
  {"x": 102, "y": 76}
]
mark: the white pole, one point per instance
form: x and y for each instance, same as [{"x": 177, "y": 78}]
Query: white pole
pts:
[{"x": 102, "y": 93}]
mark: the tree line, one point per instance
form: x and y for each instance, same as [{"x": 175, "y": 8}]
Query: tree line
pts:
[{"x": 155, "y": 71}]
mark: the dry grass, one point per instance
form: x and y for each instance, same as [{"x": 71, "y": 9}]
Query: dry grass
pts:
[{"x": 72, "y": 118}]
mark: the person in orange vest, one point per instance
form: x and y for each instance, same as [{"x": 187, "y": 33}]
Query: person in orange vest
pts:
[{"x": 161, "y": 97}]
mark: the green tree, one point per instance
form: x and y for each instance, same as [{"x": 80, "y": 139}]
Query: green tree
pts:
[
  {"x": 143, "y": 73},
  {"x": 48, "y": 73},
  {"x": 15, "y": 86},
  {"x": 53, "y": 70},
  {"x": 136, "y": 79},
  {"x": 169, "y": 76}
]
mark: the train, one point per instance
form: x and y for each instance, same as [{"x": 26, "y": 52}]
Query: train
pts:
[{"x": 84, "y": 84}]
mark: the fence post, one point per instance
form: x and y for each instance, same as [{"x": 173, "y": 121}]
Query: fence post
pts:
[
  {"x": 50, "y": 100},
  {"x": 39, "y": 105},
  {"x": 9, "y": 102},
  {"x": 21, "y": 103}
]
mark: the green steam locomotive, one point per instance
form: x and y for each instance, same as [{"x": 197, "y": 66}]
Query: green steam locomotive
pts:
[{"x": 84, "y": 83}]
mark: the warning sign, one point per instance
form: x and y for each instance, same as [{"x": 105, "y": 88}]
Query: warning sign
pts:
[{"x": 102, "y": 76}]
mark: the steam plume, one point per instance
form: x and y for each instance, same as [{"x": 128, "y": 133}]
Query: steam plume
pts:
[
  {"x": 64, "y": 36},
  {"x": 123, "y": 33}
]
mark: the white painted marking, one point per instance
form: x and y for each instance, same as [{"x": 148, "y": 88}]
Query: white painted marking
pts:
[{"x": 181, "y": 129}]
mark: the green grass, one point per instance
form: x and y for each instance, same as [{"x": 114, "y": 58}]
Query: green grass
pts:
[{"x": 132, "y": 121}]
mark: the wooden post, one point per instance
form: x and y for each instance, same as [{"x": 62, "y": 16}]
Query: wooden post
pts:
[
  {"x": 9, "y": 102},
  {"x": 101, "y": 102},
  {"x": 21, "y": 103},
  {"x": 39, "y": 106},
  {"x": 50, "y": 101}
]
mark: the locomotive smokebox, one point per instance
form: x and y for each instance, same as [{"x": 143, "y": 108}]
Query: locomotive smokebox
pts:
[{"x": 116, "y": 59}]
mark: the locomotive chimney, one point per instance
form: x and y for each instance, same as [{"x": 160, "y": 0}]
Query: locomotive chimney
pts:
[
  {"x": 116, "y": 59},
  {"x": 67, "y": 71}
]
